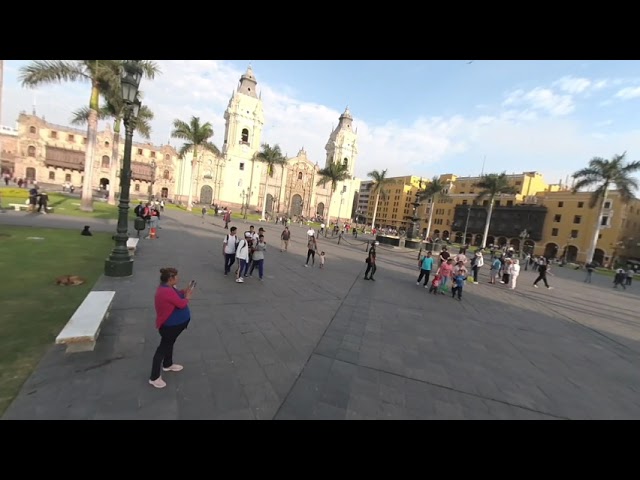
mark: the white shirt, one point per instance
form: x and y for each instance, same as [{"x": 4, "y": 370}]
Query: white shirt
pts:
[
  {"x": 230, "y": 245},
  {"x": 514, "y": 269},
  {"x": 311, "y": 232},
  {"x": 243, "y": 250}
]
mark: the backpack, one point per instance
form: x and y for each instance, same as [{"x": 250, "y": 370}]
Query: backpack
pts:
[{"x": 237, "y": 241}]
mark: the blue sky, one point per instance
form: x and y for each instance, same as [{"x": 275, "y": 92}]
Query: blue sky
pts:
[{"x": 413, "y": 117}]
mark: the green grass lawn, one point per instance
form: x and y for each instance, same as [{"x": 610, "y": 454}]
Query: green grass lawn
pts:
[
  {"x": 63, "y": 204},
  {"x": 34, "y": 308}
]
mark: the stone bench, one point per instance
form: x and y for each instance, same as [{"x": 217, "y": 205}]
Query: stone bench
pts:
[
  {"x": 132, "y": 244},
  {"x": 19, "y": 206},
  {"x": 82, "y": 330}
]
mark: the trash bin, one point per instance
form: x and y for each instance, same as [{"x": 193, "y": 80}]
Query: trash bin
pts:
[{"x": 139, "y": 224}]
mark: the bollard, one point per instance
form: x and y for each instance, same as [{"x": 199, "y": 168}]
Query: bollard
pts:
[{"x": 152, "y": 233}]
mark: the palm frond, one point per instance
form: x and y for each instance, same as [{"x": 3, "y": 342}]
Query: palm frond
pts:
[{"x": 40, "y": 72}]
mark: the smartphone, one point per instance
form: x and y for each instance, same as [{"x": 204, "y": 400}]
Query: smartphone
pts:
[{"x": 192, "y": 284}]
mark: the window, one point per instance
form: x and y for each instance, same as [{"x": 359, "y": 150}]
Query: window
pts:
[
  {"x": 106, "y": 144},
  {"x": 67, "y": 177},
  {"x": 554, "y": 232},
  {"x": 241, "y": 165},
  {"x": 105, "y": 162},
  {"x": 577, "y": 219},
  {"x": 245, "y": 136},
  {"x": 299, "y": 175},
  {"x": 599, "y": 236},
  {"x": 165, "y": 174},
  {"x": 604, "y": 221},
  {"x": 464, "y": 202},
  {"x": 84, "y": 140},
  {"x": 574, "y": 233},
  {"x": 518, "y": 183},
  {"x": 139, "y": 151},
  {"x": 136, "y": 187},
  {"x": 580, "y": 204},
  {"x": 509, "y": 203},
  {"x": 560, "y": 204},
  {"x": 607, "y": 205},
  {"x": 32, "y": 129},
  {"x": 52, "y": 175},
  {"x": 153, "y": 154},
  {"x": 485, "y": 203},
  {"x": 345, "y": 162},
  {"x": 31, "y": 151},
  {"x": 167, "y": 157},
  {"x": 53, "y": 134},
  {"x": 497, "y": 203},
  {"x": 557, "y": 217},
  {"x": 71, "y": 138}
]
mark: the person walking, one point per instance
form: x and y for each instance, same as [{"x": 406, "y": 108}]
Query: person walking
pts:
[
  {"x": 172, "y": 318},
  {"x": 243, "y": 256},
  {"x": 371, "y": 263},
  {"x": 312, "y": 246},
  {"x": 543, "y": 269},
  {"x": 476, "y": 263},
  {"x": 229, "y": 246},
  {"x": 425, "y": 264},
  {"x": 285, "y": 236},
  {"x": 514, "y": 271},
  {"x": 258, "y": 257},
  {"x": 590, "y": 268}
]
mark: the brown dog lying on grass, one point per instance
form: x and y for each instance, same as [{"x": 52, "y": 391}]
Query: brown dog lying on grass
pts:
[{"x": 70, "y": 280}]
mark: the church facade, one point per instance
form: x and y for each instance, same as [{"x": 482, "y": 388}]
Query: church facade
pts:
[{"x": 54, "y": 154}]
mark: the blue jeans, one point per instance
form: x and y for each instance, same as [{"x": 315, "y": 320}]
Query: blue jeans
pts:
[
  {"x": 243, "y": 269},
  {"x": 229, "y": 260},
  {"x": 443, "y": 284},
  {"x": 260, "y": 265}
]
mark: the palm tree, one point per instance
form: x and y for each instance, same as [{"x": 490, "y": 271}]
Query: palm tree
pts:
[
  {"x": 113, "y": 108},
  {"x": 334, "y": 173},
  {"x": 197, "y": 137},
  {"x": 272, "y": 157},
  {"x": 603, "y": 174},
  {"x": 434, "y": 190},
  {"x": 379, "y": 181},
  {"x": 492, "y": 185},
  {"x": 103, "y": 75}
]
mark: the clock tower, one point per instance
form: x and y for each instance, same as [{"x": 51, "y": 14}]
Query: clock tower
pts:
[{"x": 244, "y": 120}]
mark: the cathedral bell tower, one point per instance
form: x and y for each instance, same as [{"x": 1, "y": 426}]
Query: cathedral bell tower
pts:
[
  {"x": 342, "y": 145},
  {"x": 244, "y": 121}
]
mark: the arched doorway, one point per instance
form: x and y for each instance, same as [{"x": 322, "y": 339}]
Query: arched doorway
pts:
[
  {"x": 515, "y": 243},
  {"x": 320, "y": 209},
  {"x": 104, "y": 184},
  {"x": 598, "y": 256},
  {"x": 165, "y": 192},
  {"x": 31, "y": 173},
  {"x": 445, "y": 235},
  {"x": 436, "y": 233},
  {"x": 478, "y": 240},
  {"x": 491, "y": 240},
  {"x": 551, "y": 250},
  {"x": 269, "y": 203},
  {"x": 502, "y": 241},
  {"x": 458, "y": 237},
  {"x": 206, "y": 195},
  {"x": 468, "y": 238},
  {"x": 572, "y": 254},
  {"x": 529, "y": 245},
  {"x": 296, "y": 205}
]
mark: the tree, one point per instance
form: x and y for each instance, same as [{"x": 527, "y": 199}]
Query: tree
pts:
[
  {"x": 197, "y": 137},
  {"x": 603, "y": 174},
  {"x": 379, "y": 181},
  {"x": 434, "y": 190},
  {"x": 103, "y": 75},
  {"x": 271, "y": 157},
  {"x": 492, "y": 185},
  {"x": 334, "y": 173},
  {"x": 113, "y": 108}
]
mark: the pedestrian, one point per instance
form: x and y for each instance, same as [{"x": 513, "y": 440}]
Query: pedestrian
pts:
[
  {"x": 258, "y": 257},
  {"x": 435, "y": 284},
  {"x": 425, "y": 264},
  {"x": 284, "y": 239},
  {"x": 172, "y": 318},
  {"x": 457, "y": 282},
  {"x": 312, "y": 246},
  {"x": 590, "y": 268},
  {"x": 476, "y": 263},
  {"x": 445, "y": 271},
  {"x": 204, "y": 213},
  {"x": 371, "y": 262},
  {"x": 514, "y": 271},
  {"x": 630, "y": 274},
  {"x": 229, "y": 246},
  {"x": 494, "y": 272},
  {"x": 543, "y": 269},
  {"x": 620, "y": 278},
  {"x": 322, "y": 259},
  {"x": 243, "y": 256}
]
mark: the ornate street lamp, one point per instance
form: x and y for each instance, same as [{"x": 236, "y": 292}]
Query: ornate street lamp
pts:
[
  {"x": 120, "y": 263},
  {"x": 153, "y": 178}
]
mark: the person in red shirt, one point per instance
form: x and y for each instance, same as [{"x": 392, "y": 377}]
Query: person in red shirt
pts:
[{"x": 172, "y": 317}]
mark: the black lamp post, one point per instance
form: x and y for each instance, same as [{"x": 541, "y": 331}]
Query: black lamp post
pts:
[
  {"x": 120, "y": 263},
  {"x": 153, "y": 179}
]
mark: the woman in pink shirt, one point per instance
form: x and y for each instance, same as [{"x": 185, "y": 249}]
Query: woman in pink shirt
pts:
[
  {"x": 172, "y": 317},
  {"x": 445, "y": 271}
]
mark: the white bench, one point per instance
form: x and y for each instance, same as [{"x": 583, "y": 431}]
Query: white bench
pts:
[
  {"x": 19, "y": 206},
  {"x": 81, "y": 332},
  {"x": 132, "y": 244}
]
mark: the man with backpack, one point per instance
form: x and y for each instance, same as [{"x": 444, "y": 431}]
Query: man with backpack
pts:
[{"x": 229, "y": 249}]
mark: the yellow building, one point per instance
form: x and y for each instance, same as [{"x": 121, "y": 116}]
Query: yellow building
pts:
[
  {"x": 462, "y": 191},
  {"x": 570, "y": 225},
  {"x": 392, "y": 210}
]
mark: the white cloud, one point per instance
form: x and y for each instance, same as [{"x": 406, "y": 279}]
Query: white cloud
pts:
[
  {"x": 532, "y": 130},
  {"x": 541, "y": 99},
  {"x": 573, "y": 85},
  {"x": 628, "y": 93}
]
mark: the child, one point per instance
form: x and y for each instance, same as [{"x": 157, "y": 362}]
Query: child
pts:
[
  {"x": 321, "y": 259},
  {"x": 435, "y": 283},
  {"x": 458, "y": 283}
]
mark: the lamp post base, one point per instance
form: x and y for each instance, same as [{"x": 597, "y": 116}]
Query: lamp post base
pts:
[{"x": 118, "y": 267}]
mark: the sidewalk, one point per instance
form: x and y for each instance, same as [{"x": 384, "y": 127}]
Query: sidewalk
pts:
[{"x": 310, "y": 343}]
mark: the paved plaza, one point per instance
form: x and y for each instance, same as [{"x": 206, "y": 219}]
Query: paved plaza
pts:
[{"x": 324, "y": 344}]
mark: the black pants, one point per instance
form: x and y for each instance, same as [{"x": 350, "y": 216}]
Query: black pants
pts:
[
  {"x": 425, "y": 274},
  {"x": 505, "y": 278},
  {"x": 371, "y": 267},
  {"x": 164, "y": 352},
  {"x": 311, "y": 254},
  {"x": 475, "y": 269},
  {"x": 542, "y": 276},
  {"x": 455, "y": 289},
  {"x": 229, "y": 260}
]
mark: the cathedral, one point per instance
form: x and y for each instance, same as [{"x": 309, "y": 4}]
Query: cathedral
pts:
[{"x": 53, "y": 154}]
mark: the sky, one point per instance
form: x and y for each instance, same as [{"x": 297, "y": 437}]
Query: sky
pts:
[{"x": 421, "y": 118}]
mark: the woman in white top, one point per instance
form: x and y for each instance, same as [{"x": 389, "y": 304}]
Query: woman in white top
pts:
[{"x": 514, "y": 271}]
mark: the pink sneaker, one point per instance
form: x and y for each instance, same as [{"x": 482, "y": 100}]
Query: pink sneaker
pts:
[
  {"x": 158, "y": 383},
  {"x": 173, "y": 368}
]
